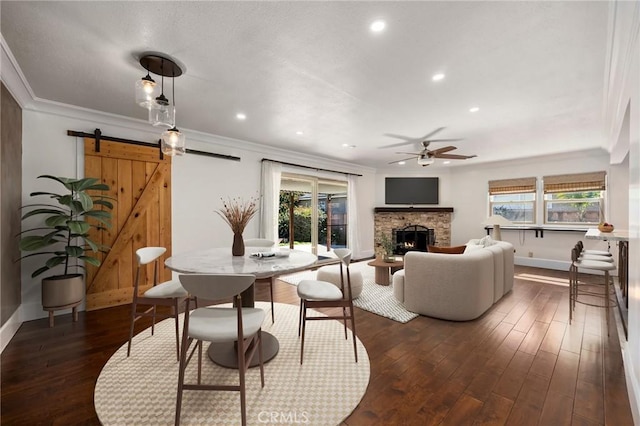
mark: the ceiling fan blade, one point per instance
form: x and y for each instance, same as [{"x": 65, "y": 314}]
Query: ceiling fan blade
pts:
[
  {"x": 454, "y": 156},
  {"x": 415, "y": 154},
  {"x": 399, "y": 161},
  {"x": 443, "y": 150},
  {"x": 394, "y": 145},
  {"x": 404, "y": 138},
  {"x": 428, "y": 135},
  {"x": 445, "y": 140}
]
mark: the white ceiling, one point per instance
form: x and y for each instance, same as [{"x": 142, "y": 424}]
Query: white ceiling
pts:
[{"x": 535, "y": 69}]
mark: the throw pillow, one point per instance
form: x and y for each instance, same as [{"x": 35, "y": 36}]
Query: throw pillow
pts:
[
  {"x": 472, "y": 247},
  {"x": 447, "y": 250},
  {"x": 486, "y": 241}
]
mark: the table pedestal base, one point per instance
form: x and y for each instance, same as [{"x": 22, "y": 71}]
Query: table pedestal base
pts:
[{"x": 226, "y": 355}]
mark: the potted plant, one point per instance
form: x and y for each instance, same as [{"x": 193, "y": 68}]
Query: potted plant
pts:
[
  {"x": 64, "y": 237},
  {"x": 387, "y": 247}
]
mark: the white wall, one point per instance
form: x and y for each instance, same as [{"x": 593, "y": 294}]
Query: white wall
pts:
[
  {"x": 465, "y": 189},
  {"x": 199, "y": 182},
  {"x": 622, "y": 115}
]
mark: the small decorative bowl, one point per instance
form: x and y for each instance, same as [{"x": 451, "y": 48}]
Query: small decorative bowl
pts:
[{"x": 605, "y": 228}]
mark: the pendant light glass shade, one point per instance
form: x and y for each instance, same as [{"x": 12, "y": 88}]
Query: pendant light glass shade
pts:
[
  {"x": 173, "y": 142},
  {"x": 146, "y": 91},
  {"x": 162, "y": 114}
]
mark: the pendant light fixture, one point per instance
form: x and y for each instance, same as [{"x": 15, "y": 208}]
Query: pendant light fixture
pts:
[
  {"x": 161, "y": 111},
  {"x": 173, "y": 142}
]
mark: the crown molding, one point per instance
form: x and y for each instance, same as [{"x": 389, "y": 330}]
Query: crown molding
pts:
[{"x": 13, "y": 78}]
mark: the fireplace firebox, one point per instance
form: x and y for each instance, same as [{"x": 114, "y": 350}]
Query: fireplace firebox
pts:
[{"x": 413, "y": 237}]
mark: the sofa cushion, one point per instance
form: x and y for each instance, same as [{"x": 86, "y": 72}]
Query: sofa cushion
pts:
[
  {"x": 447, "y": 250},
  {"x": 398, "y": 285}
]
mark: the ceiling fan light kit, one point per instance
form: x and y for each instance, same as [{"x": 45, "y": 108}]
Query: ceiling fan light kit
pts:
[
  {"x": 425, "y": 160},
  {"x": 162, "y": 112}
]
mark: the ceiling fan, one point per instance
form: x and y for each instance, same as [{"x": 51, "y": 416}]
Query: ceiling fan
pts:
[{"x": 426, "y": 156}]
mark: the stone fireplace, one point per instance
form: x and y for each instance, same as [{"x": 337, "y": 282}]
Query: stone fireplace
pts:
[{"x": 436, "y": 221}]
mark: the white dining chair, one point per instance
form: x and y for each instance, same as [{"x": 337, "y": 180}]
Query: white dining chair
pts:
[
  {"x": 169, "y": 293},
  {"x": 219, "y": 325},
  {"x": 323, "y": 294}
]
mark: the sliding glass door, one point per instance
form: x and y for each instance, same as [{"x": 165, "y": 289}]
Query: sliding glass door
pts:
[{"x": 312, "y": 214}]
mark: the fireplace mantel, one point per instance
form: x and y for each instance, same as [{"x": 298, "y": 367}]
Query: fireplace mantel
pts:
[{"x": 413, "y": 210}]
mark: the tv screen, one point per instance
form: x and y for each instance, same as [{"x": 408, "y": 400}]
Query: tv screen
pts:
[{"x": 422, "y": 190}]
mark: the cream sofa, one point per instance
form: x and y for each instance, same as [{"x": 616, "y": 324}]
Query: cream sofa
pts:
[{"x": 458, "y": 287}]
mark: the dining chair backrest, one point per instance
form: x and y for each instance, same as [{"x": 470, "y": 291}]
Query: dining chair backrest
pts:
[
  {"x": 344, "y": 255},
  {"x": 216, "y": 286},
  {"x": 149, "y": 254},
  {"x": 258, "y": 242},
  {"x": 575, "y": 254}
]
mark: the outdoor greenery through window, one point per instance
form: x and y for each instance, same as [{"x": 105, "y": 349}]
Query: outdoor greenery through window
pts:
[
  {"x": 573, "y": 207},
  {"x": 313, "y": 213},
  {"x": 513, "y": 199},
  {"x": 575, "y": 198}
]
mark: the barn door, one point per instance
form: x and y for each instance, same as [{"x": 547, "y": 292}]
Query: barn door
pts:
[{"x": 140, "y": 184}]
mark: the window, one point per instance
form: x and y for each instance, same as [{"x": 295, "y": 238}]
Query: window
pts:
[
  {"x": 574, "y": 199},
  {"x": 513, "y": 199}
]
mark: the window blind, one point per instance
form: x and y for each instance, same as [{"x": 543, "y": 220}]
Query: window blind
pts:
[
  {"x": 594, "y": 181},
  {"x": 512, "y": 186}
]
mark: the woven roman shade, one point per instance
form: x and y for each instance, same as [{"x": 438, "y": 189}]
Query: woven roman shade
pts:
[
  {"x": 512, "y": 186},
  {"x": 594, "y": 181}
]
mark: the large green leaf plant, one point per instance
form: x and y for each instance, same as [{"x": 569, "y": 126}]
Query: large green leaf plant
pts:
[{"x": 65, "y": 234}]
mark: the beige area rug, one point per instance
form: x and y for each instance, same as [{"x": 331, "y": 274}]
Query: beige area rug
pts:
[
  {"x": 375, "y": 298},
  {"x": 141, "y": 390}
]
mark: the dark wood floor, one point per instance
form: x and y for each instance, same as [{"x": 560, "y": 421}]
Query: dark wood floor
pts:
[{"x": 519, "y": 364}]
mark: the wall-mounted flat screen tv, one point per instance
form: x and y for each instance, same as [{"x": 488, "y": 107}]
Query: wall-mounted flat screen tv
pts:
[{"x": 411, "y": 190}]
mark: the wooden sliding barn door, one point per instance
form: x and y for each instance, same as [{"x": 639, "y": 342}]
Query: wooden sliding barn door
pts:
[{"x": 140, "y": 183}]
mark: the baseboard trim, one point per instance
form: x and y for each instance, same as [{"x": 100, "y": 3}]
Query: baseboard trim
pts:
[
  {"x": 534, "y": 262},
  {"x": 558, "y": 265},
  {"x": 633, "y": 387},
  {"x": 9, "y": 329}
]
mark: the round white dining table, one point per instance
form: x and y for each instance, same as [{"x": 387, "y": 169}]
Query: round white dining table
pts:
[{"x": 221, "y": 261}]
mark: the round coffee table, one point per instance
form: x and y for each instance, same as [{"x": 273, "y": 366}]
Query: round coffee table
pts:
[{"x": 385, "y": 269}]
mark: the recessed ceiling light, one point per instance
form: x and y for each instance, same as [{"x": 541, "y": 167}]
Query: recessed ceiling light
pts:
[
  {"x": 346, "y": 145},
  {"x": 299, "y": 133},
  {"x": 377, "y": 26},
  {"x": 474, "y": 109},
  {"x": 402, "y": 163},
  {"x": 437, "y": 77},
  {"x": 446, "y": 162},
  {"x": 241, "y": 116}
]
